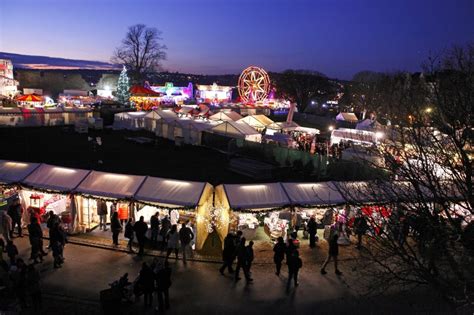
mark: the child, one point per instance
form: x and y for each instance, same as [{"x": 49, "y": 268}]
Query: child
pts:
[{"x": 12, "y": 251}]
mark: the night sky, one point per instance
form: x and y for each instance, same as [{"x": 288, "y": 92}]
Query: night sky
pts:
[{"x": 336, "y": 37}]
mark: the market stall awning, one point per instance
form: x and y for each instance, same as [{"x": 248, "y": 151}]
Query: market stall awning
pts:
[
  {"x": 29, "y": 98},
  {"x": 256, "y": 196},
  {"x": 138, "y": 90},
  {"x": 258, "y": 121},
  {"x": 313, "y": 194},
  {"x": 15, "y": 172},
  {"x": 110, "y": 185},
  {"x": 170, "y": 192},
  {"x": 226, "y": 116},
  {"x": 56, "y": 178}
]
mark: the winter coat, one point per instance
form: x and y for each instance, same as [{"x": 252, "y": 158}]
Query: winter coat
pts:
[
  {"x": 279, "y": 252},
  {"x": 5, "y": 222},
  {"x": 128, "y": 230},
  {"x": 312, "y": 227},
  {"x": 173, "y": 240},
  {"x": 154, "y": 223},
  {"x": 115, "y": 225},
  {"x": 140, "y": 229},
  {"x": 163, "y": 279},
  {"x": 185, "y": 235},
  {"x": 146, "y": 279},
  {"x": 229, "y": 248},
  {"x": 333, "y": 246}
]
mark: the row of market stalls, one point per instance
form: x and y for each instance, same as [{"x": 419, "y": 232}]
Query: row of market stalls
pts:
[
  {"x": 261, "y": 211},
  {"x": 170, "y": 125},
  {"x": 32, "y": 117}
]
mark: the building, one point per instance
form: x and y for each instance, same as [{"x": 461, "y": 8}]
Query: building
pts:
[
  {"x": 8, "y": 85},
  {"x": 214, "y": 93}
]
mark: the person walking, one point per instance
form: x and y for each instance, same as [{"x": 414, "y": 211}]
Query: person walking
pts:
[
  {"x": 185, "y": 237},
  {"x": 129, "y": 234},
  {"x": 36, "y": 240},
  {"x": 249, "y": 256},
  {"x": 360, "y": 228},
  {"x": 173, "y": 242},
  {"x": 102, "y": 213},
  {"x": 163, "y": 283},
  {"x": 12, "y": 251},
  {"x": 147, "y": 282},
  {"x": 155, "y": 229},
  {"x": 15, "y": 212},
  {"x": 140, "y": 228},
  {"x": 312, "y": 231},
  {"x": 241, "y": 261},
  {"x": 279, "y": 251},
  {"x": 116, "y": 227},
  {"x": 294, "y": 263},
  {"x": 333, "y": 253},
  {"x": 228, "y": 254}
]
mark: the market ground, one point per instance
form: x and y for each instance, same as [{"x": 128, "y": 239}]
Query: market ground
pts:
[{"x": 199, "y": 288}]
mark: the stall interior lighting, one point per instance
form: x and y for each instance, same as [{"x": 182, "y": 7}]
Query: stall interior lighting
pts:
[
  {"x": 64, "y": 170},
  {"x": 16, "y": 164},
  {"x": 176, "y": 182},
  {"x": 116, "y": 176},
  {"x": 251, "y": 187}
]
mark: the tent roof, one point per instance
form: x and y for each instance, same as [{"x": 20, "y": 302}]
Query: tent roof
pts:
[
  {"x": 256, "y": 196},
  {"x": 138, "y": 90},
  {"x": 170, "y": 191},
  {"x": 350, "y": 117},
  {"x": 368, "y": 124},
  {"x": 55, "y": 178},
  {"x": 110, "y": 185},
  {"x": 284, "y": 125},
  {"x": 29, "y": 98},
  {"x": 260, "y": 120},
  {"x": 14, "y": 172},
  {"x": 226, "y": 116},
  {"x": 313, "y": 194},
  {"x": 234, "y": 127},
  {"x": 162, "y": 114}
]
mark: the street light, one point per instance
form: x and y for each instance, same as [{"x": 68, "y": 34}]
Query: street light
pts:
[
  {"x": 428, "y": 110},
  {"x": 331, "y": 128}
]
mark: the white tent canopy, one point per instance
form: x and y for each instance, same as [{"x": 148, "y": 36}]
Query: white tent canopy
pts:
[
  {"x": 110, "y": 185},
  {"x": 170, "y": 192},
  {"x": 237, "y": 130},
  {"x": 257, "y": 121},
  {"x": 256, "y": 196},
  {"x": 349, "y": 117},
  {"x": 55, "y": 178},
  {"x": 14, "y": 172},
  {"x": 129, "y": 120},
  {"x": 313, "y": 194},
  {"x": 226, "y": 116},
  {"x": 368, "y": 124}
]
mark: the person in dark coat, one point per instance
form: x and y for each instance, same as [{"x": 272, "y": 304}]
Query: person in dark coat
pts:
[
  {"x": 241, "y": 261},
  {"x": 57, "y": 239},
  {"x": 155, "y": 229},
  {"x": 163, "y": 283},
  {"x": 52, "y": 219},
  {"x": 12, "y": 251},
  {"x": 15, "y": 212},
  {"x": 312, "y": 231},
  {"x": 360, "y": 228},
  {"x": 33, "y": 288},
  {"x": 102, "y": 213},
  {"x": 185, "y": 237},
  {"x": 140, "y": 229},
  {"x": 228, "y": 254},
  {"x": 129, "y": 234},
  {"x": 294, "y": 263},
  {"x": 279, "y": 251},
  {"x": 116, "y": 227},
  {"x": 333, "y": 253},
  {"x": 249, "y": 256},
  {"x": 36, "y": 240},
  {"x": 165, "y": 228},
  {"x": 147, "y": 282}
]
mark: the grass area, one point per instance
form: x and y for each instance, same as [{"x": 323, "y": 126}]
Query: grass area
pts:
[{"x": 62, "y": 146}]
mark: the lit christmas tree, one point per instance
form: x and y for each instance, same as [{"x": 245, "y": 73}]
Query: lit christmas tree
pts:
[{"x": 123, "y": 87}]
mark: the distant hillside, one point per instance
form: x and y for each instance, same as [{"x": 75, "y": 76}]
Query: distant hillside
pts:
[{"x": 43, "y": 62}]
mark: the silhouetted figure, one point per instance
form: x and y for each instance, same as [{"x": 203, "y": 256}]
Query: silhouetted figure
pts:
[
  {"x": 128, "y": 233},
  {"x": 172, "y": 241},
  {"x": 140, "y": 229},
  {"x": 333, "y": 253},
  {"x": 294, "y": 263},
  {"x": 312, "y": 231},
  {"x": 155, "y": 229},
  {"x": 228, "y": 254},
  {"x": 185, "y": 237},
  {"x": 147, "y": 282},
  {"x": 279, "y": 251},
  {"x": 116, "y": 227},
  {"x": 163, "y": 283}
]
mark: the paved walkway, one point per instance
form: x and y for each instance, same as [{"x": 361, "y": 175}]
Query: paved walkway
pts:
[{"x": 198, "y": 288}]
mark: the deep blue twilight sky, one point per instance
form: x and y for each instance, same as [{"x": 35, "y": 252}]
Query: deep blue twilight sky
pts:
[{"x": 336, "y": 37}]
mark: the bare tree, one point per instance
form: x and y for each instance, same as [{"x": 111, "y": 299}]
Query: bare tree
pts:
[
  {"x": 428, "y": 238},
  {"x": 141, "y": 51}
]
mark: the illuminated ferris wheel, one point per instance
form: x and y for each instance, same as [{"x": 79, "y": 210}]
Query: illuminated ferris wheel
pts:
[{"x": 254, "y": 84}]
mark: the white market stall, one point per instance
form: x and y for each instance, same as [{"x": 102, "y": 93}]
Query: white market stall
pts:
[
  {"x": 226, "y": 116},
  {"x": 129, "y": 120},
  {"x": 246, "y": 203},
  {"x": 258, "y": 122},
  {"x": 48, "y": 188},
  {"x": 183, "y": 201},
  {"x": 239, "y": 130},
  {"x": 152, "y": 118},
  {"x": 114, "y": 189}
]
